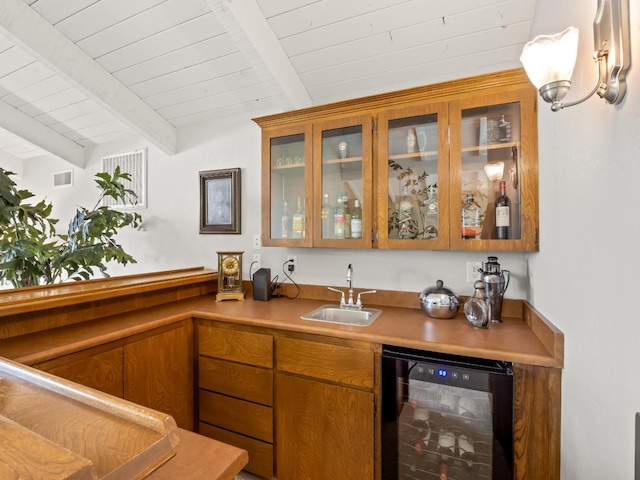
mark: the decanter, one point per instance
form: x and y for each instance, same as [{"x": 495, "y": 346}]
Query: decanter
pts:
[{"x": 476, "y": 308}]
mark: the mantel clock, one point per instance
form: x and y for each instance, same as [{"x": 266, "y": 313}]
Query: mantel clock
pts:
[{"x": 230, "y": 276}]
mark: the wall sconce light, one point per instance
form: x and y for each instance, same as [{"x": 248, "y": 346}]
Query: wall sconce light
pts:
[{"x": 549, "y": 59}]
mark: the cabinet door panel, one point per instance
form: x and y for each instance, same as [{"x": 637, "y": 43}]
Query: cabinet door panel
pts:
[
  {"x": 101, "y": 370},
  {"x": 323, "y": 431},
  {"x": 413, "y": 177},
  {"x": 494, "y": 135},
  {"x": 286, "y": 177},
  {"x": 158, "y": 373},
  {"x": 342, "y": 170}
]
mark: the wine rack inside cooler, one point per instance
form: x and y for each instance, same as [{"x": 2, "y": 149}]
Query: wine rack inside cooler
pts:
[{"x": 444, "y": 428}]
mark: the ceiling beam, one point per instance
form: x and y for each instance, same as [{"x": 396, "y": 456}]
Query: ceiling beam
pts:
[
  {"x": 31, "y": 32},
  {"x": 22, "y": 125},
  {"x": 251, "y": 31}
]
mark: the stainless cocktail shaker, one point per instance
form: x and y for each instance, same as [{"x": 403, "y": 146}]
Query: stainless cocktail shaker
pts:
[{"x": 496, "y": 282}]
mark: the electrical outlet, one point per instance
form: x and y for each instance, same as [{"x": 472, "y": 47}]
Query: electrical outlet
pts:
[
  {"x": 473, "y": 271},
  {"x": 256, "y": 242},
  {"x": 292, "y": 264},
  {"x": 257, "y": 258}
]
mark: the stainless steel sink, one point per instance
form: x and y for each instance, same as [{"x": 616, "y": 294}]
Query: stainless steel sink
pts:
[{"x": 335, "y": 314}]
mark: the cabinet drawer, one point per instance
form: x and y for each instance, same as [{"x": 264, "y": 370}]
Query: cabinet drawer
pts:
[
  {"x": 236, "y": 380},
  {"x": 237, "y": 415},
  {"x": 260, "y": 453},
  {"x": 235, "y": 345},
  {"x": 336, "y": 363}
]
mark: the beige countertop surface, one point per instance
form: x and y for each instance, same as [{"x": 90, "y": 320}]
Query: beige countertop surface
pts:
[{"x": 524, "y": 336}]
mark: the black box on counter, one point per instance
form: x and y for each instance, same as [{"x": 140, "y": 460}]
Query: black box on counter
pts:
[{"x": 262, "y": 284}]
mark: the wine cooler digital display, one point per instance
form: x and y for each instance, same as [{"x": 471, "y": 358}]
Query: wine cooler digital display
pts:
[{"x": 445, "y": 417}]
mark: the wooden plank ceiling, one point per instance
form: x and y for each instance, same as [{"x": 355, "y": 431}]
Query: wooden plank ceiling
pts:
[{"x": 77, "y": 73}]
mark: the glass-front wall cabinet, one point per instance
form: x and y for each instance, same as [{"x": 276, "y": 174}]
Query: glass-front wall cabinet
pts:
[
  {"x": 455, "y": 169},
  {"x": 288, "y": 187},
  {"x": 494, "y": 175},
  {"x": 342, "y": 183},
  {"x": 413, "y": 173}
]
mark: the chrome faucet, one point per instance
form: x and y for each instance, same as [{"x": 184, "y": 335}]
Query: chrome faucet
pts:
[
  {"x": 349, "y": 305},
  {"x": 349, "y": 273}
]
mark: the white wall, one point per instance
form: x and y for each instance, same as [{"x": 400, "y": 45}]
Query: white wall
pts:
[{"x": 583, "y": 279}]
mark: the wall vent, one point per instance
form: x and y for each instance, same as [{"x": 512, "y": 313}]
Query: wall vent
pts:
[
  {"x": 135, "y": 164},
  {"x": 63, "y": 178}
]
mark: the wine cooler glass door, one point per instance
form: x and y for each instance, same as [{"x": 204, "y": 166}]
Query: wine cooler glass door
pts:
[{"x": 445, "y": 420}]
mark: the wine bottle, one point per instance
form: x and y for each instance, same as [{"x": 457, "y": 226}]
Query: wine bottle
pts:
[
  {"x": 356, "y": 220},
  {"x": 338, "y": 218},
  {"x": 327, "y": 217},
  {"x": 471, "y": 225},
  {"x": 298, "y": 221},
  {"x": 446, "y": 447},
  {"x": 347, "y": 215},
  {"x": 285, "y": 221},
  {"x": 466, "y": 451},
  {"x": 503, "y": 213}
]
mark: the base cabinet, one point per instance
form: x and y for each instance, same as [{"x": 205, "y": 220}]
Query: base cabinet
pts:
[
  {"x": 235, "y": 391},
  {"x": 154, "y": 369},
  {"x": 324, "y": 431}
]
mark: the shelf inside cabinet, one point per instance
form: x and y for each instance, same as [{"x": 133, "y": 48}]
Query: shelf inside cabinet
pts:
[
  {"x": 288, "y": 167},
  {"x": 423, "y": 156},
  {"x": 341, "y": 160},
  {"x": 489, "y": 146}
]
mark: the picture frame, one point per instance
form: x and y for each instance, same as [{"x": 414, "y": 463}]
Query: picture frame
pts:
[{"x": 220, "y": 201}]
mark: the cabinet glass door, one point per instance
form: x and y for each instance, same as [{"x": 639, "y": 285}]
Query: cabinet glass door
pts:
[
  {"x": 413, "y": 178},
  {"x": 493, "y": 177},
  {"x": 288, "y": 187},
  {"x": 342, "y": 183}
]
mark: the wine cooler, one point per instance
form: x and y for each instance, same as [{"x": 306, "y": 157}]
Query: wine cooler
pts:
[{"x": 445, "y": 417}]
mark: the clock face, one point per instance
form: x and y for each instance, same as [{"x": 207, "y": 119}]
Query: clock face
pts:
[{"x": 230, "y": 265}]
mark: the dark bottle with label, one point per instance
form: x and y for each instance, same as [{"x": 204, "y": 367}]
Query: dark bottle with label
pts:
[
  {"x": 503, "y": 213},
  {"x": 446, "y": 448}
]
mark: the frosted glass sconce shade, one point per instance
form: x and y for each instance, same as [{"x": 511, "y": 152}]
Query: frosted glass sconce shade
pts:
[
  {"x": 549, "y": 59},
  {"x": 494, "y": 171}
]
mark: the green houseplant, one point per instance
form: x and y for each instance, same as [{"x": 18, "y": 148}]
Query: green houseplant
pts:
[{"x": 33, "y": 253}]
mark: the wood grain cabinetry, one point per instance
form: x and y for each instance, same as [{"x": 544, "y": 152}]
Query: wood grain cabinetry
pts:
[
  {"x": 154, "y": 369},
  {"x": 100, "y": 368},
  {"x": 235, "y": 396},
  {"x": 428, "y": 146},
  {"x": 158, "y": 372},
  {"x": 324, "y": 409}
]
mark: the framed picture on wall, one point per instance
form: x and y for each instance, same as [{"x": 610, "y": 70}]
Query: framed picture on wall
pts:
[{"x": 220, "y": 201}]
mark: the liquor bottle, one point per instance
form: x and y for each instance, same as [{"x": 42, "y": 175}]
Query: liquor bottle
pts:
[
  {"x": 298, "y": 221},
  {"x": 347, "y": 215},
  {"x": 476, "y": 308},
  {"x": 327, "y": 217},
  {"x": 338, "y": 218},
  {"x": 356, "y": 220},
  {"x": 406, "y": 222},
  {"x": 503, "y": 213},
  {"x": 285, "y": 221},
  {"x": 471, "y": 226}
]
